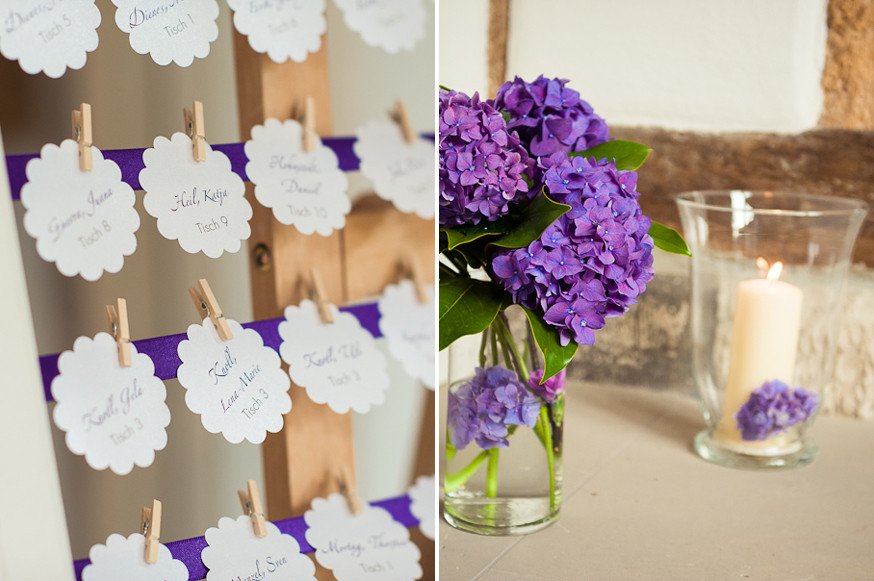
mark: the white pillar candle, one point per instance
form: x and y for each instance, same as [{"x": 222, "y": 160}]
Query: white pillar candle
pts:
[{"x": 764, "y": 341}]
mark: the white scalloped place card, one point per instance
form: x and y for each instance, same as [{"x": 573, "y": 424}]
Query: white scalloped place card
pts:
[
  {"x": 423, "y": 495},
  {"x": 284, "y": 30},
  {"x": 368, "y": 546},
  {"x": 304, "y": 189},
  {"x": 392, "y": 25},
  {"x": 49, "y": 36},
  {"x": 337, "y": 363},
  {"x": 83, "y": 221},
  {"x": 408, "y": 326},
  {"x": 200, "y": 204},
  {"x": 237, "y": 386},
  {"x": 234, "y": 552},
  {"x": 402, "y": 173},
  {"x": 122, "y": 558},
  {"x": 176, "y": 31},
  {"x": 115, "y": 416}
]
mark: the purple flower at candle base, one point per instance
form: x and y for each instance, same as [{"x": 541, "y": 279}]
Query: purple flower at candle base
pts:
[
  {"x": 774, "y": 408},
  {"x": 550, "y": 389},
  {"x": 481, "y": 162},
  {"x": 481, "y": 408},
  {"x": 592, "y": 262}
]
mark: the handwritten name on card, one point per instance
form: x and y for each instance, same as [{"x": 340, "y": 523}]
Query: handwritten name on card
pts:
[
  {"x": 115, "y": 416},
  {"x": 371, "y": 545},
  {"x": 284, "y": 29},
  {"x": 237, "y": 386},
  {"x": 234, "y": 552},
  {"x": 48, "y": 36},
  {"x": 402, "y": 173},
  {"x": 175, "y": 31},
  {"x": 408, "y": 325},
  {"x": 392, "y": 25},
  {"x": 83, "y": 221},
  {"x": 306, "y": 189},
  {"x": 200, "y": 204},
  {"x": 338, "y": 363}
]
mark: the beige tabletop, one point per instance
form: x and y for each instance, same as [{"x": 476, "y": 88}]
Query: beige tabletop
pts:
[{"x": 640, "y": 504}]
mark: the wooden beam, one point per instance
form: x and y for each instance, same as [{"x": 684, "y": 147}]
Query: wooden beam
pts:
[
  {"x": 301, "y": 461},
  {"x": 828, "y": 162},
  {"x": 499, "y": 24},
  {"x": 848, "y": 75}
]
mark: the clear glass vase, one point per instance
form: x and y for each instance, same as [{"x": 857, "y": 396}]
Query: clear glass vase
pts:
[
  {"x": 768, "y": 273},
  {"x": 503, "y": 463}
]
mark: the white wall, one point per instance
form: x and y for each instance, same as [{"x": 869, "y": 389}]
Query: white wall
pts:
[
  {"x": 133, "y": 101},
  {"x": 700, "y": 65}
]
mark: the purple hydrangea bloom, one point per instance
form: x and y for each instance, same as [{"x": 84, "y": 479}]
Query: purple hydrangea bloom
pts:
[
  {"x": 774, "y": 408},
  {"x": 481, "y": 161},
  {"x": 481, "y": 409},
  {"x": 590, "y": 264},
  {"x": 550, "y": 388},
  {"x": 550, "y": 117}
]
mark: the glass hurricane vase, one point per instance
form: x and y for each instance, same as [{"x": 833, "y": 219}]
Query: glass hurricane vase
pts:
[
  {"x": 503, "y": 462},
  {"x": 768, "y": 273}
]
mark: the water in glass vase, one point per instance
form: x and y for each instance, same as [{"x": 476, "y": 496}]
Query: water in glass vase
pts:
[{"x": 508, "y": 490}]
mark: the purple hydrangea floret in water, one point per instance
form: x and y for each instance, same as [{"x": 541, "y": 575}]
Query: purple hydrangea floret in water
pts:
[
  {"x": 774, "y": 408},
  {"x": 550, "y": 388},
  {"x": 550, "y": 117},
  {"x": 481, "y": 409},
  {"x": 592, "y": 262},
  {"x": 481, "y": 162}
]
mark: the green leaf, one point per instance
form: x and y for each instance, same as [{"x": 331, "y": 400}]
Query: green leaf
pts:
[
  {"x": 467, "y": 306},
  {"x": 626, "y": 154},
  {"x": 555, "y": 356},
  {"x": 668, "y": 239},
  {"x": 537, "y": 216},
  {"x": 465, "y": 234}
]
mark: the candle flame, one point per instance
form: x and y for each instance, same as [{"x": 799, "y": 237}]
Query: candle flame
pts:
[{"x": 775, "y": 270}]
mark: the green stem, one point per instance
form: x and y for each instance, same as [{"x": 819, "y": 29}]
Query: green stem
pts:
[
  {"x": 453, "y": 481},
  {"x": 492, "y": 474},
  {"x": 482, "y": 350},
  {"x": 494, "y": 338},
  {"x": 550, "y": 453},
  {"x": 503, "y": 328},
  {"x": 508, "y": 358}
]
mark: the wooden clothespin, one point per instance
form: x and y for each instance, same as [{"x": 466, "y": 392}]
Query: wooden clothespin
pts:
[
  {"x": 412, "y": 266},
  {"x": 208, "y": 306},
  {"x": 251, "y": 502},
  {"x": 195, "y": 130},
  {"x": 119, "y": 328},
  {"x": 349, "y": 490},
  {"x": 317, "y": 290},
  {"x": 150, "y": 524},
  {"x": 309, "y": 125},
  {"x": 403, "y": 120},
  {"x": 82, "y": 135}
]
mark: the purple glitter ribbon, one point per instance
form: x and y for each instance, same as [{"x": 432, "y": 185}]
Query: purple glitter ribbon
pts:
[
  {"x": 162, "y": 350},
  {"x": 188, "y": 550},
  {"x": 131, "y": 161}
]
